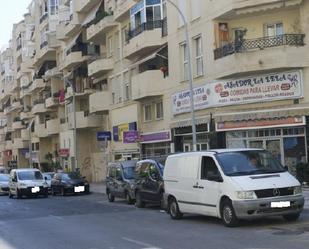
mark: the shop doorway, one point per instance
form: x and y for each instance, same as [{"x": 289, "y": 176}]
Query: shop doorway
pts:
[{"x": 187, "y": 147}]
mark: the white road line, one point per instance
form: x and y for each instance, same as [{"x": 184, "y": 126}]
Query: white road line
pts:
[{"x": 140, "y": 243}]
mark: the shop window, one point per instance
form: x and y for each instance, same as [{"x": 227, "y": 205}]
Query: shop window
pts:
[
  {"x": 159, "y": 110},
  {"x": 294, "y": 151},
  {"x": 147, "y": 112}
]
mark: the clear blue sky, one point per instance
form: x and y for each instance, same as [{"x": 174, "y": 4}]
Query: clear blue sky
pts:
[{"x": 11, "y": 12}]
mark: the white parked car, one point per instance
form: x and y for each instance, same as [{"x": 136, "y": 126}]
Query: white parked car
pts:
[
  {"x": 4, "y": 184},
  {"x": 231, "y": 184},
  {"x": 27, "y": 182}
]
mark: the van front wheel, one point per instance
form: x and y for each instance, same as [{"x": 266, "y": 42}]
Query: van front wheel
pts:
[
  {"x": 174, "y": 210},
  {"x": 228, "y": 214}
]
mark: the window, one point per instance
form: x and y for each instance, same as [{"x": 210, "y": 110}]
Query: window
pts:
[
  {"x": 117, "y": 46},
  {"x": 110, "y": 46},
  {"x": 274, "y": 29},
  {"x": 159, "y": 110},
  {"x": 198, "y": 56},
  {"x": 147, "y": 113},
  {"x": 53, "y": 7},
  {"x": 209, "y": 169},
  {"x": 185, "y": 63},
  {"x": 127, "y": 91},
  {"x": 124, "y": 32}
]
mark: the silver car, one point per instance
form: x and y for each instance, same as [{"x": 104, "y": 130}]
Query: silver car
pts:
[{"x": 4, "y": 184}]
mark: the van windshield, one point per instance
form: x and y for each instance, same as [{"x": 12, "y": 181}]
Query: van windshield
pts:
[
  {"x": 30, "y": 175},
  {"x": 128, "y": 173},
  {"x": 253, "y": 162}
]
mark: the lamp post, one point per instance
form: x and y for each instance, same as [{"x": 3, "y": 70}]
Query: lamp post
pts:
[
  {"x": 189, "y": 72},
  {"x": 74, "y": 123}
]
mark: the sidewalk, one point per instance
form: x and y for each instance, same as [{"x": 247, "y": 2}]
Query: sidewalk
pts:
[{"x": 98, "y": 187}]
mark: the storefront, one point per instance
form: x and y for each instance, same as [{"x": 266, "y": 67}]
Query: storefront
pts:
[{"x": 156, "y": 144}]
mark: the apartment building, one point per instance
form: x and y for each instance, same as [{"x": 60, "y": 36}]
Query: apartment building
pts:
[{"x": 112, "y": 77}]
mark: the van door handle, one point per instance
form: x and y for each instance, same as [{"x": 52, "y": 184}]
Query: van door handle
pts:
[
  {"x": 195, "y": 186},
  {"x": 201, "y": 187}
]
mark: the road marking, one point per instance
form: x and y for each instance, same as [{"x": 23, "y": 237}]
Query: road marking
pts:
[{"x": 140, "y": 243}]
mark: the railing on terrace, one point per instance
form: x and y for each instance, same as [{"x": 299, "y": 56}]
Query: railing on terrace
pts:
[
  {"x": 150, "y": 25},
  {"x": 86, "y": 49},
  {"x": 99, "y": 16},
  {"x": 259, "y": 43}
]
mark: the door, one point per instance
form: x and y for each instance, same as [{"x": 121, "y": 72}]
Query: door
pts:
[
  {"x": 209, "y": 186},
  {"x": 153, "y": 183}
]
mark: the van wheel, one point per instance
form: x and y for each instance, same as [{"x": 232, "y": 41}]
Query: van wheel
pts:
[
  {"x": 129, "y": 199},
  {"x": 291, "y": 217},
  {"x": 139, "y": 203},
  {"x": 110, "y": 197},
  {"x": 173, "y": 209},
  {"x": 228, "y": 214}
]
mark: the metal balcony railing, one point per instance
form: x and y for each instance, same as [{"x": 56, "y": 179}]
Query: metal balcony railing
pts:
[
  {"x": 259, "y": 43},
  {"x": 150, "y": 25}
]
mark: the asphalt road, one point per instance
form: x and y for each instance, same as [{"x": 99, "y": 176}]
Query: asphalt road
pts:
[{"x": 91, "y": 222}]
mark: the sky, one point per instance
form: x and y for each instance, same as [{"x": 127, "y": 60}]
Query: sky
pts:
[{"x": 11, "y": 11}]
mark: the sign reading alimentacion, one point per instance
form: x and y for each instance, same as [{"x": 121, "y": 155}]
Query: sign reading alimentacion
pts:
[{"x": 261, "y": 88}]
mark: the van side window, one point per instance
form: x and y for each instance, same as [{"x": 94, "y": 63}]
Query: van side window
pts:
[
  {"x": 209, "y": 168},
  {"x": 118, "y": 173}
]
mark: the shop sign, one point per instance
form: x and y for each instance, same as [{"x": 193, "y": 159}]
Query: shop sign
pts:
[
  {"x": 104, "y": 135},
  {"x": 64, "y": 152},
  {"x": 153, "y": 137},
  {"x": 35, "y": 157},
  {"x": 118, "y": 130},
  {"x": 255, "y": 124},
  {"x": 269, "y": 87},
  {"x": 130, "y": 137}
]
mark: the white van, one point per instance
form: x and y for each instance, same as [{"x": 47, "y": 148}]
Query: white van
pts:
[
  {"x": 231, "y": 184},
  {"x": 28, "y": 182}
]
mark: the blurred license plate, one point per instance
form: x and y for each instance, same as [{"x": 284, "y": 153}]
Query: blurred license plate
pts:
[
  {"x": 79, "y": 189},
  {"x": 35, "y": 189},
  {"x": 280, "y": 204}
]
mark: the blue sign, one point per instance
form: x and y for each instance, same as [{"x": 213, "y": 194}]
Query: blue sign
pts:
[{"x": 104, "y": 135}]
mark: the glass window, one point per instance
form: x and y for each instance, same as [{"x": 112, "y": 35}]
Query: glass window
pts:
[
  {"x": 274, "y": 29},
  {"x": 4, "y": 178},
  {"x": 147, "y": 113},
  {"x": 198, "y": 56},
  {"x": 53, "y": 7},
  {"x": 128, "y": 172},
  {"x": 185, "y": 63},
  {"x": 294, "y": 151},
  {"x": 159, "y": 110},
  {"x": 110, "y": 46},
  {"x": 30, "y": 175},
  {"x": 209, "y": 168}
]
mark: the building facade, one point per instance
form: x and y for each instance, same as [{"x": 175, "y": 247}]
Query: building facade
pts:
[{"x": 111, "y": 76}]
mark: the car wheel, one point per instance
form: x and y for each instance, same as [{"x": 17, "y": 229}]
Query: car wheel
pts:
[
  {"x": 18, "y": 194},
  {"x": 228, "y": 214},
  {"x": 138, "y": 200},
  {"x": 173, "y": 209},
  {"x": 129, "y": 199},
  {"x": 110, "y": 197},
  {"x": 291, "y": 217},
  {"x": 62, "y": 191}
]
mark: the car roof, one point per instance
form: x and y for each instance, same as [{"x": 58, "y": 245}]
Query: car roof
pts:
[
  {"x": 215, "y": 151},
  {"x": 124, "y": 164},
  {"x": 21, "y": 170}
]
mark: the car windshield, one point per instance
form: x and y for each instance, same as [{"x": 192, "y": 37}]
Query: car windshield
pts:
[
  {"x": 128, "y": 173},
  {"x": 4, "y": 178},
  {"x": 250, "y": 162},
  {"x": 30, "y": 175},
  {"x": 71, "y": 176}
]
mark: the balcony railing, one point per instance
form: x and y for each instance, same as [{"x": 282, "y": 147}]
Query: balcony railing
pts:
[
  {"x": 259, "y": 43},
  {"x": 150, "y": 25},
  {"x": 43, "y": 44},
  {"x": 86, "y": 49},
  {"x": 99, "y": 16},
  {"x": 42, "y": 18}
]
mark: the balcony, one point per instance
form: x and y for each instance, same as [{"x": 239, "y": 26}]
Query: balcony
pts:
[
  {"x": 25, "y": 135},
  {"x": 53, "y": 126},
  {"x": 145, "y": 39},
  {"x": 54, "y": 72},
  {"x": 123, "y": 10},
  {"x": 51, "y": 102},
  {"x": 267, "y": 53},
  {"x": 13, "y": 107},
  {"x": 18, "y": 125},
  {"x": 84, "y": 120},
  {"x": 147, "y": 84},
  {"x": 8, "y": 145},
  {"x": 84, "y": 6},
  {"x": 96, "y": 32},
  {"x": 25, "y": 115},
  {"x": 100, "y": 67},
  {"x": 38, "y": 107},
  {"x": 40, "y": 130},
  {"x": 100, "y": 101},
  {"x": 19, "y": 143},
  {"x": 38, "y": 84}
]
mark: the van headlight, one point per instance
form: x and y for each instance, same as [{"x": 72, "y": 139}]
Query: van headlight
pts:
[
  {"x": 297, "y": 190},
  {"x": 246, "y": 195}
]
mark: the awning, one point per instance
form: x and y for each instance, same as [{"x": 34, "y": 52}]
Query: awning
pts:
[
  {"x": 279, "y": 112},
  {"x": 188, "y": 122},
  {"x": 91, "y": 15}
]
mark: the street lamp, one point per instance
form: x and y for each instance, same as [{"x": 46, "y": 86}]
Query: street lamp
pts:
[
  {"x": 189, "y": 72},
  {"x": 68, "y": 81}
]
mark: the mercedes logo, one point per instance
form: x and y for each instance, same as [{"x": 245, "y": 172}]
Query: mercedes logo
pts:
[{"x": 276, "y": 192}]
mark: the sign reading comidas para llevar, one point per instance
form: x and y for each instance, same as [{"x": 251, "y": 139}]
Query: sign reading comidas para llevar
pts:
[{"x": 261, "y": 88}]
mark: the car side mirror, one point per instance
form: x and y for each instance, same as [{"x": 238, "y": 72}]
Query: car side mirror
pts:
[{"x": 45, "y": 178}]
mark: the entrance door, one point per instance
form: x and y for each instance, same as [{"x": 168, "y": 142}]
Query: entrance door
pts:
[
  {"x": 186, "y": 147},
  {"x": 273, "y": 146}
]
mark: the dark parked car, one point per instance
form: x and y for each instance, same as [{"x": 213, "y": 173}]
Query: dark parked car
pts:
[
  {"x": 148, "y": 183},
  {"x": 120, "y": 181},
  {"x": 72, "y": 182}
]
